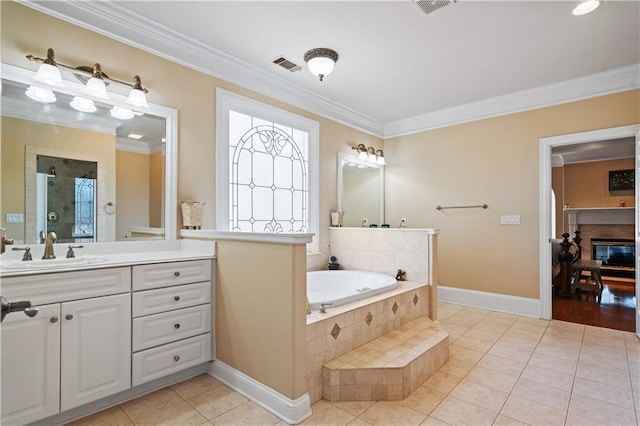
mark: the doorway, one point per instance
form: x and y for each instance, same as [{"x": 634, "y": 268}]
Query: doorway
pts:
[{"x": 546, "y": 146}]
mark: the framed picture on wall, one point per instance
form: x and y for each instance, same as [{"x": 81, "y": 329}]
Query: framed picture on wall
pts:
[{"x": 622, "y": 180}]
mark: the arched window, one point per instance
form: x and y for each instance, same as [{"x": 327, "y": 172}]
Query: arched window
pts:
[{"x": 267, "y": 168}]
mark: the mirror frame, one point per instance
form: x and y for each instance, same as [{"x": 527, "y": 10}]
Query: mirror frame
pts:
[
  {"x": 118, "y": 95},
  {"x": 343, "y": 159}
]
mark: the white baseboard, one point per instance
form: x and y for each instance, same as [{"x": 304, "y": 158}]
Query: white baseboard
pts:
[
  {"x": 291, "y": 411},
  {"x": 493, "y": 301}
]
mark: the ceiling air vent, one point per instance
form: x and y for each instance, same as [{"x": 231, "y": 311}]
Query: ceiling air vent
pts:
[
  {"x": 428, "y": 6},
  {"x": 287, "y": 64}
]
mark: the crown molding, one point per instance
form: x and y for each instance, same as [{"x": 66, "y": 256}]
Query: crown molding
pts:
[
  {"x": 599, "y": 84},
  {"x": 117, "y": 22}
]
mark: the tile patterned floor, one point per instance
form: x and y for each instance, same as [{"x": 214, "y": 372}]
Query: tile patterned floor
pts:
[{"x": 504, "y": 370}]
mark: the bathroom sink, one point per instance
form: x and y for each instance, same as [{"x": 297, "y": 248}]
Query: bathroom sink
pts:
[{"x": 52, "y": 263}]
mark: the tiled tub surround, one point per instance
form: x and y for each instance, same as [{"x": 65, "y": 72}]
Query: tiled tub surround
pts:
[
  {"x": 386, "y": 250},
  {"x": 357, "y": 323}
]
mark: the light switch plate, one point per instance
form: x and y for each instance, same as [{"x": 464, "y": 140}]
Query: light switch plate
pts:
[
  {"x": 14, "y": 218},
  {"x": 510, "y": 220}
]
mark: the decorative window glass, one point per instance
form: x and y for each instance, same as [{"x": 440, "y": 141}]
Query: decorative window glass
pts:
[
  {"x": 267, "y": 168},
  {"x": 84, "y": 207}
]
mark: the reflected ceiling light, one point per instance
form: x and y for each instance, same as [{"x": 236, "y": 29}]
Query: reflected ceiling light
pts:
[
  {"x": 48, "y": 72},
  {"x": 122, "y": 113},
  {"x": 321, "y": 61},
  {"x": 41, "y": 95},
  {"x": 137, "y": 96},
  {"x": 135, "y": 135},
  {"x": 586, "y": 7},
  {"x": 83, "y": 104},
  {"x": 95, "y": 80}
]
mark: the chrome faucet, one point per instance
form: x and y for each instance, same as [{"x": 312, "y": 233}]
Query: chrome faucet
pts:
[{"x": 48, "y": 246}]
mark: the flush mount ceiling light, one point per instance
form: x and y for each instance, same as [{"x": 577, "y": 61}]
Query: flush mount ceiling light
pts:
[
  {"x": 321, "y": 61},
  {"x": 95, "y": 80},
  {"x": 586, "y": 7}
]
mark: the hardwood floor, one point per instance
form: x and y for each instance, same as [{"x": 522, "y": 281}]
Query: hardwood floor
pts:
[{"x": 616, "y": 310}]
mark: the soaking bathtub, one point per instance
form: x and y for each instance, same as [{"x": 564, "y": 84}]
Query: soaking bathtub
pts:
[{"x": 344, "y": 286}]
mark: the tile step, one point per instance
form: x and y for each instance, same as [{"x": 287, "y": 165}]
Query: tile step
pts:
[{"x": 389, "y": 367}]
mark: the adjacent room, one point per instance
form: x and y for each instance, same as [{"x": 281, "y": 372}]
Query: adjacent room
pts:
[{"x": 309, "y": 212}]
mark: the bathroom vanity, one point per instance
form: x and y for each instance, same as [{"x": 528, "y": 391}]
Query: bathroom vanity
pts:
[{"x": 104, "y": 331}]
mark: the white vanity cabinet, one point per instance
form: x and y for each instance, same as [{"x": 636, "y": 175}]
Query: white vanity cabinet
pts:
[
  {"x": 171, "y": 318},
  {"x": 73, "y": 351}
]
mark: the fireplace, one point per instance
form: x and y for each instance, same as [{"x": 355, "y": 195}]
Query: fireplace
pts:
[{"x": 618, "y": 256}]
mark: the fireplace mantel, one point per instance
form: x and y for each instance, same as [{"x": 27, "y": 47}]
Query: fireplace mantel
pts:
[{"x": 599, "y": 216}]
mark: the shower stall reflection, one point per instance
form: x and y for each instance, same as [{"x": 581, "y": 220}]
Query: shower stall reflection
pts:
[{"x": 66, "y": 199}]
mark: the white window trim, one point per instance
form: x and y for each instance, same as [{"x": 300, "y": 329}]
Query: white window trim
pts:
[{"x": 228, "y": 101}]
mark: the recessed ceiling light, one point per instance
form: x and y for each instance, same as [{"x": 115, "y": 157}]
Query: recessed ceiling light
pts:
[
  {"x": 135, "y": 135},
  {"x": 586, "y": 7}
]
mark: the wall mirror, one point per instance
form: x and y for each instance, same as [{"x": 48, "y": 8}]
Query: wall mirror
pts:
[
  {"x": 360, "y": 191},
  {"x": 89, "y": 177}
]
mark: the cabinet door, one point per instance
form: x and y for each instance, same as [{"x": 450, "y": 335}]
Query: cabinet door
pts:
[
  {"x": 96, "y": 349},
  {"x": 30, "y": 365}
]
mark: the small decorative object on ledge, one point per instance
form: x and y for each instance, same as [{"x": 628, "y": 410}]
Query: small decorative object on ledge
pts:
[
  {"x": 401, "y": 275},
  {"x": 333, "y": 264},
  {"x": 337, "y": 218},
  {"x": 192, "y": 214}
]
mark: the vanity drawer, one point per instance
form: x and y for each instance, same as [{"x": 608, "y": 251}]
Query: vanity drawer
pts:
[
  {"x": 170, "y": 298},
  {"x": 158, "y": 362},
  {"x": 56, "y": 287},
  {"x": 158, "y": 275},
  {"x": 158, "y": 329}
]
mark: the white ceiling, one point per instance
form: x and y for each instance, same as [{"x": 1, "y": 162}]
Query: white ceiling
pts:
[{"x": 397, "y": 64}]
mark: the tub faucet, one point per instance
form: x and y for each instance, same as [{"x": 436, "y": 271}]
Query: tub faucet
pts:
[
  {"x": 48, "y": 246},
  {"x": 322, "y": 305}
]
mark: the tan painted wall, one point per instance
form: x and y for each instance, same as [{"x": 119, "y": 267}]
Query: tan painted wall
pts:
[
  {"x": 260, "y": 312},
  {"x": 17, "y": 133},
  {"x": 132, "y": 195},
  {"x": 587, "y": 184},
  {"x": 493, "y": 161}
]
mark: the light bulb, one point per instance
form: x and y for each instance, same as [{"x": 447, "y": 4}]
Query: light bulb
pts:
[
  {"x": 49, "y": 74},
  {"x": 96, "y": 88},
  {"x": 586, "y": 7},
  {"x": 137, "y": 98}
]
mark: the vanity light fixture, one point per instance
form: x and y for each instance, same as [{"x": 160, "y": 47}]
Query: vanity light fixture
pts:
[
  {"x": 370, "y": 154},
  {"x": 95, "y": 80},
  {"x": 586, "y": 7},
  {"x": 321, "y": 61}
]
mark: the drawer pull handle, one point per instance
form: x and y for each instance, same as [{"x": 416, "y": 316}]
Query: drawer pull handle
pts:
[
  {"x": 176, "y": 298},
  {"x": 176, "y": 358},
  {"x": 177, "y": 273},
  {"x": 53, "y": 320},
  {"x": 176, "y": 326},
  {"x": 69, "y": 317}
]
